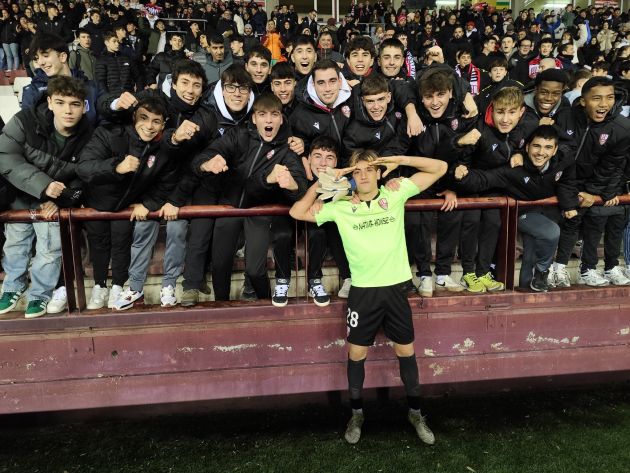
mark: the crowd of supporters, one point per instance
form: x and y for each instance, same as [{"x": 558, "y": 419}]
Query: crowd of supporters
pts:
[{"x": 163, "y": 105}]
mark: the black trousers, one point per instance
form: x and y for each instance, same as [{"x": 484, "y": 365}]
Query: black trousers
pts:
[
  {"x": 418, "y": 230},
  {"x": 319, "y": 237},
  {"x": 480, "y": 230},
  {"x": 110, "y": 239},
  {"x": 200, "y": 233},
  {"x": 569, "y": 232},
  {"x": 607, "y": 220},
  {"x": 224, "y": 246}
]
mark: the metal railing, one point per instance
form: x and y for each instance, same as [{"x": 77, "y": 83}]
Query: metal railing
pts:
[{"x": 71, "y": 242}]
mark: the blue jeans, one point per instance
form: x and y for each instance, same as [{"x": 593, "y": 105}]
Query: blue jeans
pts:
[
  {"x": 46, "y": 264},
  {"x": 540, "y": 241},
  {"x": 12, "y": 53},
  {"x": 145, "y": 235}
]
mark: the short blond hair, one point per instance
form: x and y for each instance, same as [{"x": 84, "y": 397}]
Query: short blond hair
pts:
[
  {"x": 508, "y": 97},
  {"x": 368, "y": 155}
]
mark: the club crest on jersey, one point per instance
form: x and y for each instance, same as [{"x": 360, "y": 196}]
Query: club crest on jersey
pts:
[
  {"x": 270, "y": 154},
  {"x": 454, "y": 124},
  {"x": 377, "y": 135},
  {"x": 151, "y": 161},
  {"x": 316, "y": 125},
  {"x": 558, "y": 175},
  {"x": 346, "y": 111},
  {"x": 221, "y": 131},
  {"x": 494, "y": 146},
  {"x": 603, "y": 138},
  {"x": 383, "y": 203},
  {"x": 354, "y": 208},
  {"x": 398, "y": 115},
  {"x": 526, "y": 179}
]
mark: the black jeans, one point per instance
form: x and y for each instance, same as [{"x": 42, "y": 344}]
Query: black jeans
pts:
[
  {"x": 318, "y": 238},
  {"x": 110, "y": 239},
  {"x": 607, "y": 220},
  {"x": 480, "y": 231},
  {"x": 200, "y": 234},
  {"x": 447, "y": 236},
  {"x": 224, "y": 246}
]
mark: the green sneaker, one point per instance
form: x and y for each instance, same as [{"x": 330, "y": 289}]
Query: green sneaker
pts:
[
  {"x": 472, "y": 283},
  {"x": 35, "y": 308},
  {"x": 190, "y": 297},
  {"x": 490, "y": 283},
  {"x": 9, "y": 300}
]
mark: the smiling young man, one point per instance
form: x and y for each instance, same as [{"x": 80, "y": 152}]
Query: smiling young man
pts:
[
  {"x": 252, "y": 165},
  {"x": 125, "y": 166},
  {"x": 603, "y": 138},
  {"x": 258, "y": 65},
  {"x": 546, "y": 172},
  {"x": 359, "y": 54},
  {"x": 303, "y": 56},
  {"x": 373, "y": 237},
  {"x": 38, "y": 149},
  {"x": 282, "y": 80},
  {"x": 182, "y": 93},
  {"x": 50, "y": 54},
  {"x": 324, "y": 105},
  {"x": 498, "y": 139}
]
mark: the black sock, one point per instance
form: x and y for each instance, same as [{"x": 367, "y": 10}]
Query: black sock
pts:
[
  {"x": 409, "y": 376},
  {"x": 356, "y": 376}
]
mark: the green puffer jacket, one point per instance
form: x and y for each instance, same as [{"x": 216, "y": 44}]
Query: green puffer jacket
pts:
[{"x": 30, "y": 158}]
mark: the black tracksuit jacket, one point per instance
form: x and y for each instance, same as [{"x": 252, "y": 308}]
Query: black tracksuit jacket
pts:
[{"x": 250, "y": 160}]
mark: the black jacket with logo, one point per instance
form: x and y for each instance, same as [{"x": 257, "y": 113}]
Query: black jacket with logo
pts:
[
  {"x": 602, "y": 152},
  {"x": 388, "y": 137},
  {"x": 250, "y": 160},
  {"x": 151, "y": 184},
  {"x": 529, "y": 183}
]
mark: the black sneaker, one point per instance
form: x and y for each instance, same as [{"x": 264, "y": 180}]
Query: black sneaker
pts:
[
  {"x": 280, "y": 296},
  {"x": 410, "y": 288},
  {"x": 318, "y": 293},
  {"x": 249, "y": 293},
  {"x": 539, "y": 282}
]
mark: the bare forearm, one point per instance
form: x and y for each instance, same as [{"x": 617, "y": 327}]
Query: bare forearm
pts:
[
  {"x": 301, "y": 209},
  {"x": 428, "y": 165}
]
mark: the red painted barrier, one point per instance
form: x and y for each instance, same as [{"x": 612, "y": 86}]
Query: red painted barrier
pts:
[{"x": 239, "y": 349}]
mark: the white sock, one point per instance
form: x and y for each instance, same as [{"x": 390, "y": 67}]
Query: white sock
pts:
[
  {"x": 357, "y": 411},
  {"x": 560, "y": 266},
  {"x": 441, "y": 278}
]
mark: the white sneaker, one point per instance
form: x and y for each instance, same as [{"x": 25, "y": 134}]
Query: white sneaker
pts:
[
  {"x": 562, "y": 278},
  {"x": 615, "y": 276},
  {"x": 446, "y": 283},
  {"x": 167, "y": 297},
  {"x": 592, "y": 278},
  {"x": 551, "y": 277},
  {"x": 97, "y": 297},
  {"x": 344, "y": 292},
  {"x": 426, "y": 286},
  {"x": 280, "y": 297},
  {"x": 127, "y": 298},
  {"x": 114, "y": 294},
  {"x": 58, "y": 302}
]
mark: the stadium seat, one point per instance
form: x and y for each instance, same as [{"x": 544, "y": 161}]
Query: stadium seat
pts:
[
  {"x": 18, "y": 86},
  {"x": 9, "y": 106}
]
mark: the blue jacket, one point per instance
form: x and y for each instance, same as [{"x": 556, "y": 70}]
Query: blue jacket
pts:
[{"x": 35, "y": 92}]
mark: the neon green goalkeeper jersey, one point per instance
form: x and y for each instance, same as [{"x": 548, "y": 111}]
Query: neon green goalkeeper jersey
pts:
[{"x": 374, "y": 235}]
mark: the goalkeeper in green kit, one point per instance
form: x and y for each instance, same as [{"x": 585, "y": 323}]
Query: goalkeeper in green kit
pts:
[{"x": 373, "y": 235}]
